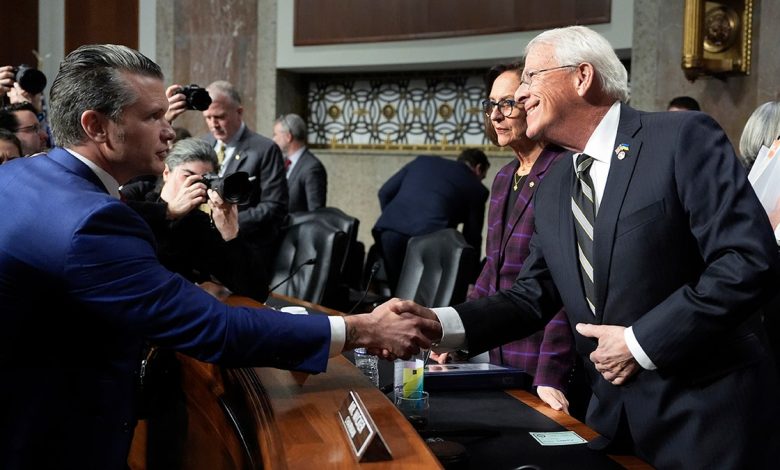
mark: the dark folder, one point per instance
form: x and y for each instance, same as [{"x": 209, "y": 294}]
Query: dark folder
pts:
[{"x": 473, "y": 376}]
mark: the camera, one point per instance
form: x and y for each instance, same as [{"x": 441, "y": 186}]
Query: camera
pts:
[
  {"x": 32, "y": 80},
  {"x": 197, "y": 98},
  {"x": 233, "y": 188}
]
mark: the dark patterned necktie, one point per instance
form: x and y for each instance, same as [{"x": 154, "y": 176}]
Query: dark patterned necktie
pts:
[{"x": 583, "y": 208}]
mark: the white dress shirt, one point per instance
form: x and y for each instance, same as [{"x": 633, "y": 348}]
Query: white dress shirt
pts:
[{"x": 294, "y": 157}]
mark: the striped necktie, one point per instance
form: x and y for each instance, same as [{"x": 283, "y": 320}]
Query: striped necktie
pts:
[{"x": 583, "y": 208}]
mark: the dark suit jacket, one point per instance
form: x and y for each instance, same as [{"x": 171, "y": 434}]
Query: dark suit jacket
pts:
[
  {"x": 432, "y": 193},
  {"x": 80, "y": 291},
  {"x": 308, "y": 184},
  {"x": 548, "y": 355},
  {"x": 684, "y": 254},
  {"x": 263, "y": 216}
]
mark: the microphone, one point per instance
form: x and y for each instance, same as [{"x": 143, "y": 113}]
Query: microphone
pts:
[
  {"x": 308, "y": 262},
  {"x": 374, "y": 269}
]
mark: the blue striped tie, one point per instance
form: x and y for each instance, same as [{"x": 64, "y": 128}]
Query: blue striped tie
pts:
[{"x": 583, "y": 208}]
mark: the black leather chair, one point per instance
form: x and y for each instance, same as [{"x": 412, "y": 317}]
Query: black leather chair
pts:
[
  {"x": 308, "y": 240},
  {"x": 437, "y": 269},
  {"x": 355, "y": 252}
]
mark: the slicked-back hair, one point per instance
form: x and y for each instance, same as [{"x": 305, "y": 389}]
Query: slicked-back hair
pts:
[
  {"x": 293, "y": 124},
  {"x": 490, "y": 78},
  {"x": 92, "y": 78},
  {"x": 574, "y": 45},
  {"x": 191, "y": 150}
]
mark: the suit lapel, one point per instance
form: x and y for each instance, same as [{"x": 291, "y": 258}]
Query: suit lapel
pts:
[
  {"x": 621, "y": 171},
  {"x": 64, "y": 158}
]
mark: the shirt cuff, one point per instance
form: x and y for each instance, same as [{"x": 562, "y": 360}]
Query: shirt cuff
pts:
[
  {"x": 637, "y": 351},
  {"x": 338, "y": 335},
  {"x": 777, "y": 234},
  {"x": 453, "y": 334}
]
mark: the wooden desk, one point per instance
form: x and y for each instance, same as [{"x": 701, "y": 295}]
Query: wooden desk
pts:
[{"x": 238, "y": 418}]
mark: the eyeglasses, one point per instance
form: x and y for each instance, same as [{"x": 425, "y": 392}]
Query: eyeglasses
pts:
[
  {"x": 505, "y": 106},
  {"x": 33, "y": 129},
  {"x": 528, "y": 77}
]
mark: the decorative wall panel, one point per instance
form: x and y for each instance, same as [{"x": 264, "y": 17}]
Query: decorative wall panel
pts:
[{"x": 430, "y": 112}]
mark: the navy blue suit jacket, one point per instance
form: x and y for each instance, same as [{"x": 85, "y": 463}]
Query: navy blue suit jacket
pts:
[
  {"x": 684, "y": 254},
  {"x": 430, "y": 194},
  {"x": 81, "y": 290}
]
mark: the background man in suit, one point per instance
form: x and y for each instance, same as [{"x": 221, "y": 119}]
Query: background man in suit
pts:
[
  {"x": 307, "y": 180},
  {"x": 240, "y": 149},
  {"x": 681, "y": 256},
  {"x": 429, "y": 194},
  {"x": 81, "y": 288}
]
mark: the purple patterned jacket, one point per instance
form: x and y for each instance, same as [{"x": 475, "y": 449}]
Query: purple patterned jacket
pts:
[{"x": 548, "y": 355}]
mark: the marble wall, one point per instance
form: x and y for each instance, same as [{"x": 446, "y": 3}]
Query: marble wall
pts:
[{"x": 657, "y": 77}]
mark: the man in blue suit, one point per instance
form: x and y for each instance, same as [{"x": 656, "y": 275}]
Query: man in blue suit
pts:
[
  {"x": 662, "y": 288},
  {"x": 429, "y": 194},
  {"x": 81, "y": 289}
]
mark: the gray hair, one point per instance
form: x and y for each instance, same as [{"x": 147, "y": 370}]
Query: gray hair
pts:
[
  {"x": 223, "y": 87},
  {"x": 293, "y": 124},
  {"x": 191, "y": 150},
  {"x": 578, "y": 44},
  {"x": 762, "y": 128},
  {"x": 91, "y": 78}
]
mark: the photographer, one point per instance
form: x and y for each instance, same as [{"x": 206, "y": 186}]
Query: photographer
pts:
[
  {"x": 25, "y": 84},
  {"x": 240, "y": 149},
  {"x": 190, "y": 242}
]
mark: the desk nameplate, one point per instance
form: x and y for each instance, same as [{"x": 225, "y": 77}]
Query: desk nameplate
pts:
[{"x": 364, "y": 437}]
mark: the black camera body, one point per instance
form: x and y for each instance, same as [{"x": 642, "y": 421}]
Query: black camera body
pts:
[
  {"x": 197, "y": 98},
  {"x": 234, "y": 188},
  {"x": 32, "y": 80}
]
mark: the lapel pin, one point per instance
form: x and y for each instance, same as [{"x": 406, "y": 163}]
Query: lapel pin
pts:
[
  {"x": 531, "y": 184},
  {"x": 621, "y": 150},
  {"x": 238, "y": 156}
]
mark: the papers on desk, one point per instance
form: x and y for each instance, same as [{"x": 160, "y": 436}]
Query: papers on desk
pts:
[
  {"x": 765, "y": 178},
  {"x": 562, "y": 438}
]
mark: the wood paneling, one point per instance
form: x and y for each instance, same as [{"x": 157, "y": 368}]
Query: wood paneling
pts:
[
  {"x": 19, "y": 25},
  {"x": 101, "y": 22},
  {"x": 350, "y": 21}
]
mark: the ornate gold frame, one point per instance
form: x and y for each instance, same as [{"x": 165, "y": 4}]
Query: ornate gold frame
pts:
[{"x": 717, "y": 38}]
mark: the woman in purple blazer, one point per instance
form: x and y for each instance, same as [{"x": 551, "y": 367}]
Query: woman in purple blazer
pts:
[{"x": 548, "y": 355}]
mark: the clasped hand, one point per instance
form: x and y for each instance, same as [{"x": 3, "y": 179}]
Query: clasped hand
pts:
[
  {"x": 395, "y": 329},
  {"x": 612, "y": 358}
]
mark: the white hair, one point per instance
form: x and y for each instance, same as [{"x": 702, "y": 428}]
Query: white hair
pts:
[
  {"x": 578, "y": 44},
  {"x": 762, "y": 128}
]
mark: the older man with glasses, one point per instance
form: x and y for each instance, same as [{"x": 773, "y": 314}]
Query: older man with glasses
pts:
[{"x": 651, "y": 236}]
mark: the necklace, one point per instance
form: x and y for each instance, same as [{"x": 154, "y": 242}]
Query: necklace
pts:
[{"x": 517, "y": 178}]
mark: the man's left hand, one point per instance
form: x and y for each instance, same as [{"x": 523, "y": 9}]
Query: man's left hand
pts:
[{"x": 612, "y": 357}]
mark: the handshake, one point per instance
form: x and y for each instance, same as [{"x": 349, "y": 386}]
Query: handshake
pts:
[{"x": 396, "y": 329}]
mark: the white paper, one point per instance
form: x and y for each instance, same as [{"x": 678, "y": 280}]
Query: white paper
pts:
[{"x": 561, "y": 438}]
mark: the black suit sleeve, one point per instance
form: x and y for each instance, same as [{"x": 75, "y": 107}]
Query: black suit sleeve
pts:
[{"x": 515, "y": 313}]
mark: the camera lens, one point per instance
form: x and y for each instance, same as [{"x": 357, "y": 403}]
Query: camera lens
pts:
[
  {"x": 31, "y": 80},
  {"x": 199, "y": 100}
]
